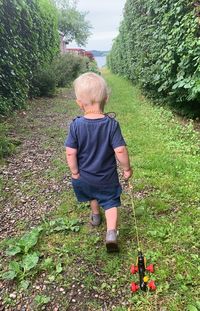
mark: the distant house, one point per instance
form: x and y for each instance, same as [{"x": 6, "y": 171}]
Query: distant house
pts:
[
  {"x": 78, "y": 51},
  {"x": 90, "y": 55}
]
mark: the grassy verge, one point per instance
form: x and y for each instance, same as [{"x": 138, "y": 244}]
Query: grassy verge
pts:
[
  {"x": 71, "y": 270},
  {"x": 165, "y": 157}
]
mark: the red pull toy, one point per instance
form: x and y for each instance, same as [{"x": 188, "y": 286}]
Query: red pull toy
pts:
[
  {"x": 134, "y": 269},
  {"x": 141, "y": 261},
  {"x": 141, "y": 269},
  {"x": 134, "y": 287},
  {"x": 150, "y": 268},
  {"x": 152, "y": 285}
]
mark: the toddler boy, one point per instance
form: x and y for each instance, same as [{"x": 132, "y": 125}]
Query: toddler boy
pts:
[{"x": 93, "y": 144}]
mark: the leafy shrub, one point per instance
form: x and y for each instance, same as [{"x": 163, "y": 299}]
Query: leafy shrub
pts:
[
  {"x": 92, "y": 66},
  {"x": 44, "y": 82},
  {"x": 28, "y": 39},
  {"x": 5, "y": 106},
  {"x": 158, "y": 46},
  {"x": 67, "y": 67},
  {"x": 62, "y": 71}
]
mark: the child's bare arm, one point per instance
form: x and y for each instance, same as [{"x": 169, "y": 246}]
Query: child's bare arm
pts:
[
  {"x": 71, "y": 156},
  {"x": 123, "y": 158}
]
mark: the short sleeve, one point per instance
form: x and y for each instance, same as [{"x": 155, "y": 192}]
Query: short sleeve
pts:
[
  {"x": 117, "y": 139},
  {"x": 71, "y": 140}
]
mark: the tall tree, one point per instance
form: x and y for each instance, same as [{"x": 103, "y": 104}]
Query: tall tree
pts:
[{"x": 72, "y": 22}]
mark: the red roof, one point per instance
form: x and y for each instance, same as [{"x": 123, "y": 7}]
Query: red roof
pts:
[{"x": 81, "y": 52}]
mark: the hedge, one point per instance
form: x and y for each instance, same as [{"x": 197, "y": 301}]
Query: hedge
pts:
[
  {"x": 158, "y": 46},
  {"x": 28, "y": 38}
]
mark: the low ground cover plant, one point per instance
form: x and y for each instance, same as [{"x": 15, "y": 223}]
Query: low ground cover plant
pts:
[{"x": 24, "y": 255}]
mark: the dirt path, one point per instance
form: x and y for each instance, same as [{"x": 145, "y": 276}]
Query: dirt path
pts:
[{"x": 29, "y": 194}]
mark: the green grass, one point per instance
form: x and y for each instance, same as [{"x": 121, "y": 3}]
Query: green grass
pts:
[
  {"x": 165, "y": 159},
  {"x": 7, "y": 145}
]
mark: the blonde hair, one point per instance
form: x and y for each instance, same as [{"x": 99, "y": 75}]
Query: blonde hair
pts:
[{"x": 91, "y": 88}]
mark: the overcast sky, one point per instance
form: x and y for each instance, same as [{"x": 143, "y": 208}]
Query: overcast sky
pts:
[{"x": 105, "y": 17}]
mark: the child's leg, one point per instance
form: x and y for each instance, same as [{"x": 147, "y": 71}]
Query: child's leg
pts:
[
  {"x": 94, "y": 207},
  {"x": 111, "y": 235},
  {"x": 95, "y": 217},
  {"x": 111, "y": 218}
]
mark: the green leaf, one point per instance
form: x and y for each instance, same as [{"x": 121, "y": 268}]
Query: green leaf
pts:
[
  {"x": 140, "y": 211},
  {"x": 48, "y": 263},
  {"x": 61, "y": 224},
  {"x": 59, "y": 267},
  {"x": 30, "y": 261},
  {"x": 30, "y": 239},
  {"x": 51, "y": 278},
  {"x": 14, "y": 266},
  {"x": 184, "y": 288},
  {"x": 74, "y": 222},
  {"x": 24, "y": 284},
  {"x": 41, "y": 300},
  {"x": 13, "y": 250},
  {"x": 103, "y": 285},
  {"x": 192, "y": 308},
  {"x": 75, "y": 229},
  {"x": 9, "y": 275}
]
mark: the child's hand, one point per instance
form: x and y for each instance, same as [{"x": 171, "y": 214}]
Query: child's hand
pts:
[
  {"x": 128, "y": 173},
  {"x": 76, "y": 176}
]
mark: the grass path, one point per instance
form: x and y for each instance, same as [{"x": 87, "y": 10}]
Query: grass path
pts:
[{"x": 74, "y": 272}]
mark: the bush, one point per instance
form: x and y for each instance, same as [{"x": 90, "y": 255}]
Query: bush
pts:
[
  {"x": 63, "y": 70},
  {"x": 158, "y": 46},
  {"x": 6, "y": 106},
  {"x": 67, "y": 67},
  {"x": 92, "y": 66},
  {"x": 28, "y": 39},
  {"x": 44, "y": 82}
]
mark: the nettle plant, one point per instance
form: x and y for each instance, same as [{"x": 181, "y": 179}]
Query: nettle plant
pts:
[
  {"x": 159, "y": 46},
  {"x": 25, "y": 255}
]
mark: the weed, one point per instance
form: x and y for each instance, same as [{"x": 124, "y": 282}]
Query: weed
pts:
[
  {"x": 26, "y": 255},
  {"x": 41, "y": 300}
]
